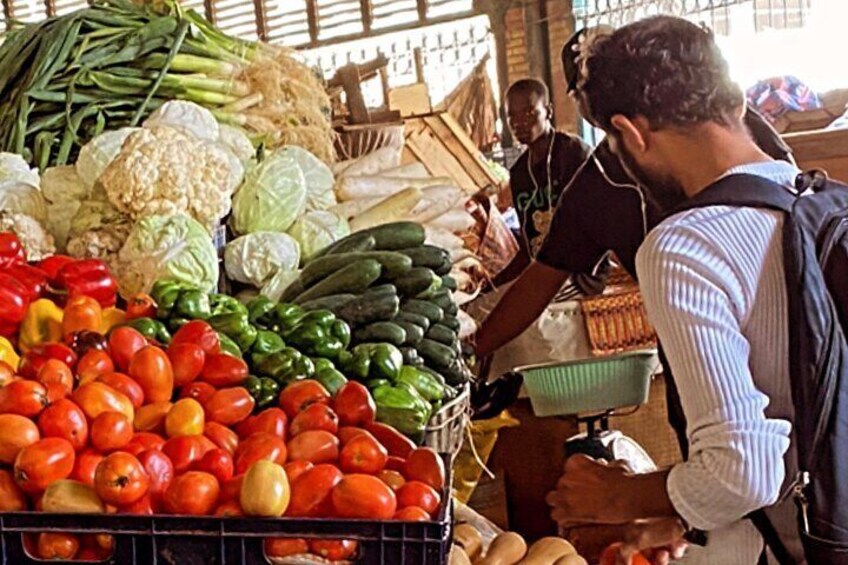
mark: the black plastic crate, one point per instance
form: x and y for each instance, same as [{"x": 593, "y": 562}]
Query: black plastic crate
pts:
[{"x": 204, "y": 540}]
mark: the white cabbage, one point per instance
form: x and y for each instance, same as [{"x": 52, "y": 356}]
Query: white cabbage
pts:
[
  {"x": 14, "y": 168},
  {"x": 272, "y": 196},
  {"x": 319, "y": 178},
  {"x": 255, "y": 258},
  {"x": 317, "y": 230},
  {"x": 236, "y": 140},
  {"x": 21, "y": 198},
  {"x": 189, "y": 117}
]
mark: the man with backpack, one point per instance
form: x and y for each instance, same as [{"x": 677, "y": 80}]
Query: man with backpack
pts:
[{"x": 747, "y": 315}]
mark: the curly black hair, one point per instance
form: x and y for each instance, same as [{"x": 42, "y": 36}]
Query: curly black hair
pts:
[{"x": 663, "y": 68}]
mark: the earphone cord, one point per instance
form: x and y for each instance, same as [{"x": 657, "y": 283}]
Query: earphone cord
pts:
[{"x": 536, "y": 188}]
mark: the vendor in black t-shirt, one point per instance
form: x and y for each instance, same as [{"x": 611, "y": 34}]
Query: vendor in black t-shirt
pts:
[{"x": 543, "y": 170}]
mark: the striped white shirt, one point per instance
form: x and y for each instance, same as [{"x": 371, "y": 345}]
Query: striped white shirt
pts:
[{"x": 713, "y": 284}]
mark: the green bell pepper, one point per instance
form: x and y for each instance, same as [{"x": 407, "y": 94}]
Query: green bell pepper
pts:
[
  {"x": 266, "y": 343},
  {"x": 332, "y": 379},
  {"x": 420, "y": 401},
  {"x": 237, "y": 326},
  {"x": 371, "y": 384},
  {"x": 286, "y": 366},
  {"x": 400, "y": 407},
  {"x": 385, "y": 360},
  {"x": 341, "y": 331},
  {"x": 424, "y": 383},
  {"x": 355, "y": 364},
  {"x": 270, "y": 390},
  {"x": 192, "y": 304},
  {"x": 258, "y": 310},
  {"x": 151, "y": 329},
  {"x": 223, "y": 304},
  {"x": 285, "y": 316},
  {"x": 165, "y": 293},
  {"x": 228, "y": 346},
  {"x": 318, "y": 333},
  {"x": 253, "y": 385},
  {"x": 321, "y": 364}
]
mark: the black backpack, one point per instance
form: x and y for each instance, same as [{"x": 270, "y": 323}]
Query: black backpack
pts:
[{"x": 815, "y": 249}]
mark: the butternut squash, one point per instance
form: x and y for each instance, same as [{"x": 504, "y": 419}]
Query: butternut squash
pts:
[
  {"x": 506, "y": 549},
  {"x": 547, "y": 550},
  {"x": 458, "y": 556},
  {"x": 468, "y": 538},
  {"x": 572, "y": 559}
]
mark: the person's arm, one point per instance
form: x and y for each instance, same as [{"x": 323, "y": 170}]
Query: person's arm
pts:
[
  {"x": 519, "y": 307},
  {"x": 514, "y": 269}
]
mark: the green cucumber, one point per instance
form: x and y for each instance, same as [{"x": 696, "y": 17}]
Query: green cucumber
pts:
[
  {"x": 381, "y": 289},
  {"x": 452, "y": 322},
  {"x": 394, "y": 265},
  {"x": 397, "y": 235},
  {"x": 292, "y": 291},
  {"x": 442, "y": 334},
  {"x": 380, "y": 332},
  {"x": 437, "y": 355},
  {"x": 367, "y": 309},
  {"x": 351, "y": 244},
  {"x": 353, "y": 279},
  {"x": 424, "y": 308},
  {"x": 449, "y": 283},
  {"x": 428, "y": 256},
  {"x": 414, "y": 332},
  {"x": 417, "y": 319},
  {"x": 416, "y": 281},
  {"x": 411, "y": 357},
  {"x": 332, "y": 302},
  {"x": 444, "y": 300}
]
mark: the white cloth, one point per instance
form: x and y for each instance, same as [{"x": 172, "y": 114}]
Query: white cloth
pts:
[{"x": 713, "y": 284}]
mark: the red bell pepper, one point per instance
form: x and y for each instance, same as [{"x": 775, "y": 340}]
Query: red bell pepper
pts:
[
  {"x": 12, "y": 252},
  {"x": 36, "y": 357},
  {"x": 53, "y": 264},
  {"x": 14, "y": 301},
  {"x": 35, "y": 280},
  {"x": 88, "y": 277}
]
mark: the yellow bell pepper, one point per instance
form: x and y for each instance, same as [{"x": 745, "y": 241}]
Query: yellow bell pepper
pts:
[
  {"x": 111, "y": 318},
  {"x": 8, "y": 355},
  {"x": 42, "y": 324}
]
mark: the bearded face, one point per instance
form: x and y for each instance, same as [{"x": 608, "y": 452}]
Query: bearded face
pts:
[{"x": 663, "y": 189}]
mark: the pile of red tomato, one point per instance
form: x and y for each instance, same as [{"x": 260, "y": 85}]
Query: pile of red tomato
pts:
[{"x": 126, "y": 426}]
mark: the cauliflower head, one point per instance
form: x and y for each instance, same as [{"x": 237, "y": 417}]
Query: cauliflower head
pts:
[
  {"x": 35, "y": 239},
  {"x": 162, "y": 171},
  {"x": 98, "y": 231}
]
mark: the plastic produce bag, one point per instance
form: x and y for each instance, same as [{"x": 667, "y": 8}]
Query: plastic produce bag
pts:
[{"x": 469, "y": 464}]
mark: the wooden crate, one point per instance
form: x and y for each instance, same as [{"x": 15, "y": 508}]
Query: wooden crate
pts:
[
  {"x": 822, "y": 149},
  {"x": 445, "y": 149}
]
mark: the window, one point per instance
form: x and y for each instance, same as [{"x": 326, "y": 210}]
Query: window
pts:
[{"x": 780, "y": 14}]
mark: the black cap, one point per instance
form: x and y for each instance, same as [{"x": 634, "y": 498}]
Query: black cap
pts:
[{"x": 570, "y": 54}]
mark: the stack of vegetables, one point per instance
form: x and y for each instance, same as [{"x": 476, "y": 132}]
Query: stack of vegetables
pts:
[
  {"x": 105, "y": 67},
  {"x": 96, "y": 416}
]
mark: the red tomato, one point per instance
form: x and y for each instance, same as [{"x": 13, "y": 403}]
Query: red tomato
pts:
[
  {"x": 229, "y": 406},
  {"x": 294, "y": 469},
  {"x": 397, "y": 444},
  {"x": 159, "y": 470},
  {"x": 354, "y": 405},
  {"x": 301, "y": 394},
  {"x": 392, "y": 478},
  {"x": 217, "y": 463},
  {"x": 151, "y": 368},
  {"x": 55, "y": 371},
  {"x": 126, "y": 386},
  {"x": 66, "y": 420},
  {"x": 38, "y": 355},
  {"x": 231, "y": 489},
  {"x": 93, "y": 364},
  {"x": 96, "y": 398},
  {"x": 426, "y": 466},
  {"x": 12, "y": 498},
  {"x": 110, "y": 431},
  {"x": 57, "y": 546},
  {"x": 184, "y": 451},
  {"x": 193, "y": 493},
  {"x": 315, "y": 417},
  {"x": 151, "y": 417},
  {"x": 42, "y": 463},
  {"x": 56, "y": 391},
  {"x": 363, "y": 454},
  {"x": 272, "y": 420},
  {"x": 363, "y": 496},
  {"x": 201, "y": 392},
  {"x": 347, "y": 433},
  {"x": 187, "y": 360},
  {"x": 610, "y": 556},
  {"x": 316, "y": 446},
  {"x": 120, "y": 479},
  {"x": 221, "y": 436},
  {"x": 333, "y": 550},
  {"x": 311, "y": 493},
  {"x": 416, "y": 493},
  {"x": 257, "y": 447},
  {"x": 395, "y": 464},
  {"x": 16, "y": 432},
  {"x": 141, "y": 506},
  {"x": 229, "y": 509},
  {"x": 25, "y": 398},
  {"x": 124, "y": 343},
  {"x": 222, "y": 370},
  {"x": 85, "y": 464},
  {"x": 200, "y": 333},
  {"x": 284, "y": 547},
  {"x": 93, "y": 554},
  {"x": 411, "y": 514},
  {"x": 142, "y": 441}
]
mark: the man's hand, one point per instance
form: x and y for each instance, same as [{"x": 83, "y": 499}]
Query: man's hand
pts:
[
  {"x": 660, "y": 540},
  {"x": 586, "y": 492}
]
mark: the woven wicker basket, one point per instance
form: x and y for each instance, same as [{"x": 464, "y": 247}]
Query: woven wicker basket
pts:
[{"x": 446, "y": 429}]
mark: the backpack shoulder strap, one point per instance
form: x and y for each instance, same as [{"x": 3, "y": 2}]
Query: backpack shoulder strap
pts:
[{"x": 743, "y": 190}]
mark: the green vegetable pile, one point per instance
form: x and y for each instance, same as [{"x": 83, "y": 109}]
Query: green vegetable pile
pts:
[{"x": 66, "y": 79}]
